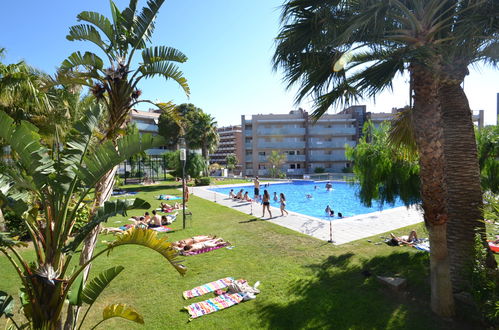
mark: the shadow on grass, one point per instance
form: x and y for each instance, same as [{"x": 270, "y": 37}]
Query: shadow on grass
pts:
[
  {"x": 250, "y": 220},
  {"x": 339, "y": 295}
]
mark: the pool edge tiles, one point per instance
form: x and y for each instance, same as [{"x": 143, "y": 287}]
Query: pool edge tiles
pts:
[{"x": 344, "y": 230}]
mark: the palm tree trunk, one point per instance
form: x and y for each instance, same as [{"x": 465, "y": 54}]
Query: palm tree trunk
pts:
[
  {"x": 462, "y": 177},
  {"x": 429, "y": 140}
]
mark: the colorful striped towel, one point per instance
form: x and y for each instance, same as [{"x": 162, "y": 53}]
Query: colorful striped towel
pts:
[
  {"x": 208, "y": 249},
  {"x": 161, "y": 229},
  {"x": 214, "y": 304},
  {"x": 206, "y": 288}
]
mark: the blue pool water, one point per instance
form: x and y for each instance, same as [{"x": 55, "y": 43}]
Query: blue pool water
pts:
[{"x": 342, "y": 198}]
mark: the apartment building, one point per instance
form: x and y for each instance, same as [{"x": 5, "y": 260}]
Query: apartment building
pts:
[
  {"x": 147, "y": 122},
  {"x": 231, "y": 142},
  {"x": 307, "y": 145}
]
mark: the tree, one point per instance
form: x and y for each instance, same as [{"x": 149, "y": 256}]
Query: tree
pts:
[
  {"x": 200, "y": 128},
  {"x": 194, "y": 165},
  {"x": 47, "y": 187},
  {"x": 117, "y": 85},
  {"x": 173, "y": 124},
  {"x": 232, "y": 161},
  {"x": 276, "y": 161},
  {"x": 203, "y": 134},
  {"x": 488, "y": 157},
  {"x": 367, "y": 43},
  {"x": 385, "y": 171}
]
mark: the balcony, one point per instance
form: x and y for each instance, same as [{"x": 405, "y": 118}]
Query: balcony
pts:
[
  {"x": 327, "y": 158},
  {"x": 331, "y": 131},
  {"x": 248, "y": 145},
  {"x": 295, "y": 158},
  {"x": 282, "y": 145},
  {"x": 147, "y": 127},
  {"x": 295, "y": 171},
  {"x": 281, "y": 131},
  {"x": 330, "y": 144},
  {"x": 248, "y": 159}
]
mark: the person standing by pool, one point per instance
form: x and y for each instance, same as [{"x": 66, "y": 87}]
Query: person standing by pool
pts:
[
  {"x": 266, "y": 203},
  {"x": 283, "y": 205},
  {"x": 257, "y": 187}
]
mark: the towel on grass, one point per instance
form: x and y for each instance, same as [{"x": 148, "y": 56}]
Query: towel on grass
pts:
[
  {"x": 168, "y": 197},
  {"x": 425, "y": 246},
  {"x": 207, "y": 249},
  {"x": 214, "y": 304},
  {"x": 162, "y": 229},
  {"x": 208, "y": 287}
]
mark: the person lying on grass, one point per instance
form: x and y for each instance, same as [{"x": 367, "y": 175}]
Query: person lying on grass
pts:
[
  {"x": 169, "y": 208},
  {"x": 212, "y": 243},
  {"x": 407, "y": 240},
  {"x": 192, "y": 240}
]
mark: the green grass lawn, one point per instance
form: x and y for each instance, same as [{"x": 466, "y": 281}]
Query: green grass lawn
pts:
[{"x": 306, "y": 283}]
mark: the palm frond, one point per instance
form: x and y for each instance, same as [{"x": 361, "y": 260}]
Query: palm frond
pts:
[
  {"x": 149, "y": 238},
  {"x": 167, "y": 71},
  {"x": 88, "y": 33},
  {"x": 144, "y": 24},
  {"x": 122, "y": 310},
  {"x": 95, "y": 287},
  {"x": 100, "y": 21},
  {"x": 162, "y": 53},
  {"x": 88, "y": 60}
]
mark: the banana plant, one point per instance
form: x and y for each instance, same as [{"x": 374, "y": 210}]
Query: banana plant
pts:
[{"x": 47, "y": 188}]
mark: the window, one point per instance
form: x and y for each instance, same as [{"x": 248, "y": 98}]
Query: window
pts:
[
  {"x": 261, "y": 153},
  {"x": 261, "y": 166},
  {"x": 291, "y": 152},
  {"x": 249, "y": 152},
  {"x": 298, "y": 166},
  {"x": 292, "y": 166}
]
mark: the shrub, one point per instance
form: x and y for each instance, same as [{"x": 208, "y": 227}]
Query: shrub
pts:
[
  {"x": 319, "y": 170},
  {"x": 347, "y": 169},
  {"x": 203, "y": 181},
  {"x": 16, "y": 225}
]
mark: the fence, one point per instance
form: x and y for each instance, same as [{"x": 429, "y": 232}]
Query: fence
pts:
[{"x": 148, "y": 169}]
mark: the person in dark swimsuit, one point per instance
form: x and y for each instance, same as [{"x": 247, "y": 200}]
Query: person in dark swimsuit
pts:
[{"x": 266, "y": 203}]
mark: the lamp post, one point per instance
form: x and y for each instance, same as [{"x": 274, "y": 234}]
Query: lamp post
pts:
[{"x": 183, "y": 158}]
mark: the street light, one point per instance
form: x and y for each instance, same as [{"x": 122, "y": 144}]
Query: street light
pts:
[{"x": 183, "y": 158}]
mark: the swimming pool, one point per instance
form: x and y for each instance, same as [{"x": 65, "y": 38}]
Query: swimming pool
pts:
[{"x": 342, "y": 198}]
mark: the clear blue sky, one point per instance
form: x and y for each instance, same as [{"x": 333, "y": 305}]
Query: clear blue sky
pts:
[{"x": 229, "y": 44}]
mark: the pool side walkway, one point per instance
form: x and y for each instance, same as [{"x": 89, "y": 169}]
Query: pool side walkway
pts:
[{"x": 344, "y": 230}]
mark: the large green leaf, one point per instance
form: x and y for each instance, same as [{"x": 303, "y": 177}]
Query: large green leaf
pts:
[
  {"x": 149, "y": 238},
  {"x": 162, "y": 53},
  {"x": 106, "y": 156},
  {"x": 33, "y": 156},
  {"x": 95, "y": 287},
  {"x": 6, "y": 304},
  {"x": 100, "y": 21},
  {"x": 109, "y": 209},
  {"x": 144, "y": 23},
  {"x": 78, "y": 142},
  {"x": 123, "y": 311},
  {"x": 75, "y": 294},
  {"x": 167, "y": 71},
  {"x": 86, "y": 32},
  {"x": 88, "y": 60}
]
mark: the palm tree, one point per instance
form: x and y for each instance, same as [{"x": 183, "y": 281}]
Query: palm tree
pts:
[
  {"x": 390, "y": 37},
  {"x": 202, "y": 133},
  {"x": 117, "y": 85}
]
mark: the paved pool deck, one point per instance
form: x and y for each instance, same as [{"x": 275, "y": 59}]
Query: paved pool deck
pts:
[{"x": 343, "y": 230}]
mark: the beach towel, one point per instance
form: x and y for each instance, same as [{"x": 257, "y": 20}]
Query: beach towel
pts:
[
  {"x": 208, "y": 287},
  {"x": 168, "y": 197},
  {"x": 423, "y": 246},
  {"x": 214, "y": 304},
  {"x": 162, "y": 229},
  {"x": 207, "y": 249}
]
